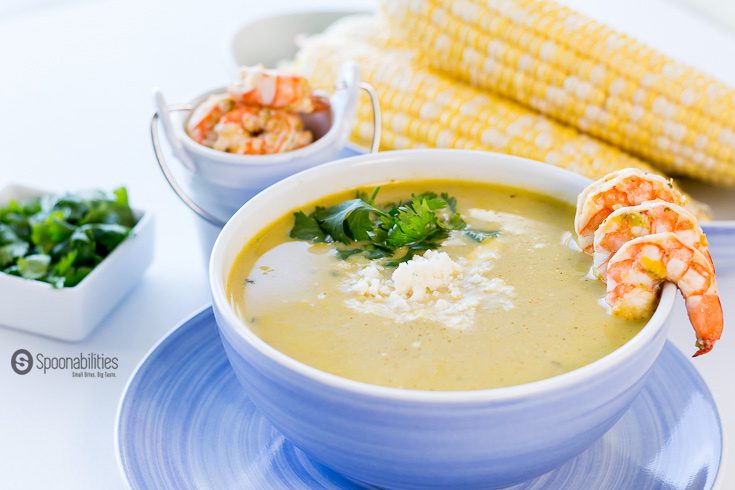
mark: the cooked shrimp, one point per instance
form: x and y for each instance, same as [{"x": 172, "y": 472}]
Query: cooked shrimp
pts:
[
  {"x": 260, "y": 114},
  {"x": 269, "y": 88},
  {"x": 627, "y": 223},
  {"x": 599, "y": 182},
  {"x": 637, "y": 270},
  {"x": 251, "y": 130},
  {"x": 205, "y": 117},
  {"x": 627, "y": 187}
]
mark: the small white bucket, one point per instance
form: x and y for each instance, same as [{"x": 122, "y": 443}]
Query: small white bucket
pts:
[{"x": 219, "y": 183}]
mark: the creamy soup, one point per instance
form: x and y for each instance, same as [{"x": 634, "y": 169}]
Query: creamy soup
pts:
[{"x": 515, "y": 307}]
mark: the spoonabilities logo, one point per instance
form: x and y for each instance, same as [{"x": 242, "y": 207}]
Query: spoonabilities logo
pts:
[
  {"x": 83, "y": 365},
  {"x": 21, "y": 361}
]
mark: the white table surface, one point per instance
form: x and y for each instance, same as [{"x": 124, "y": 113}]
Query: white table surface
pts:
[{"x": 75, "y": 87}]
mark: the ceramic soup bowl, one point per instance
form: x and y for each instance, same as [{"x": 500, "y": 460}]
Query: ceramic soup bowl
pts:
[{"x": 398, "y": 438}]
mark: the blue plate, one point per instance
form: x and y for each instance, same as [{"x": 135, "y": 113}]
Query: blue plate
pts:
[{"x": 185, "y": 422}]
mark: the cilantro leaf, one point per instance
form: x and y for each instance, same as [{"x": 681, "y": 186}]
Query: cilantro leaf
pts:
[
  {"x": 307, "y": 228},
  {"x": 348, "y": 221},
  {"x": 454, "y": 222},
  {"x": 346, "y": 253},
  {"x": 7, "y": 234},
  {"x": 34, "y": 266},
  {"x": 480, "y": 235},
  {"x": 121, "y": 196},
  {"x": 12, "y": 251},
  {"x": 360, "y": 224},
  {"x": 105, "y": 236},
  {"x": 414, "y": 223},
  {"x": 49, "y": 230},
  {"x": 108, "y": 208},
  {"x": 451, "y": 202},
  {"x": 64, "y": 265},
  {"x": 373, "y": 252}
]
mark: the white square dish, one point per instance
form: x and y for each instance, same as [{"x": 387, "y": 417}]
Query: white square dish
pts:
[{"x": 72, "y": 313}]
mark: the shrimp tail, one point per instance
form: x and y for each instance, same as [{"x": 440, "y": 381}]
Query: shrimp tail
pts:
[
  {"x": 635, "y": 272},
  {"x": 705, "y": 313}
]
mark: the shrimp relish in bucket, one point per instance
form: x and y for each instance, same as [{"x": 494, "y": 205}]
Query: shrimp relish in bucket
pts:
[{"x": 261, "y": 113}]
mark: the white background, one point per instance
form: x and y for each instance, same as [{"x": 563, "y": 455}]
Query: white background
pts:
[{"x": 75, "y": 85}]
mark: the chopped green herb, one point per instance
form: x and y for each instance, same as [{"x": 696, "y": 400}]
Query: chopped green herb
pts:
[
  {"x": 12, "y": 251},
  {"x": 61, "y": 239},
  {"x": 348, "y": 221},
  {"x": 46, "y": 231},
  {"x": 480, "y": 235},
  {"x": 414, "y": 223},
  {"x": 373, "y": 252},
  {"x": 395, "y": 232},
  {"x": 307, "y": 228},
  {"x": 345, "y": 253},
  {"x": 34, "y": 266},
  {"x": 451, "y": 201},
  {"x": 64, "y": 264}
]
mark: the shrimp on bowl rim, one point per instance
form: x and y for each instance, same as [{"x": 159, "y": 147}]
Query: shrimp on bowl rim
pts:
[
  {"x": 627, "y": 223},
  {"x": 637, "y": 270},
  {"x": 627, "y": 187},
  {"x": 640, "y": 235}
]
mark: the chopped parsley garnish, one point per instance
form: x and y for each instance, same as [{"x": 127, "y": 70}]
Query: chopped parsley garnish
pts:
[
  {"x": 395, "y": 232},
  {"x": 481, "y": 235},
  {"x": 61, "y": 239}
]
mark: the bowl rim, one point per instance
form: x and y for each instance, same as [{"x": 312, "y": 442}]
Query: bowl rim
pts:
[
  {"x": 231, "y": 325},
  {"x": 225, "y": 158}
]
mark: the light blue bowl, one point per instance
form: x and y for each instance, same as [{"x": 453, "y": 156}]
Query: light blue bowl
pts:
[{"x": 396, "y": 438}]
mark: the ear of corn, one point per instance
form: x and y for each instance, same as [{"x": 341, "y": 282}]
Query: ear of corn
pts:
[
  {"x": 423, "y": 108},
  {"x": 580, "y": 72},
  {"x": 434, "y": 110}
]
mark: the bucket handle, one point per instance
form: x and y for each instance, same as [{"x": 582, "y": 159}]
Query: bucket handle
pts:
[
  {"x": 377, "y": 116},
  {"x": 189, "y": 202}
]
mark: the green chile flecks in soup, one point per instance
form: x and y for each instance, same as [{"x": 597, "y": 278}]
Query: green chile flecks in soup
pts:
[{"x": 506, "y": 310}]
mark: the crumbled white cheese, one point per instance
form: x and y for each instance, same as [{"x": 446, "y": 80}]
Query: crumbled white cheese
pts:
[
  {"x": 431, "y": 287},
  {"x": 423, "y": 275},
  {"x": 370, "y": 281}
]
